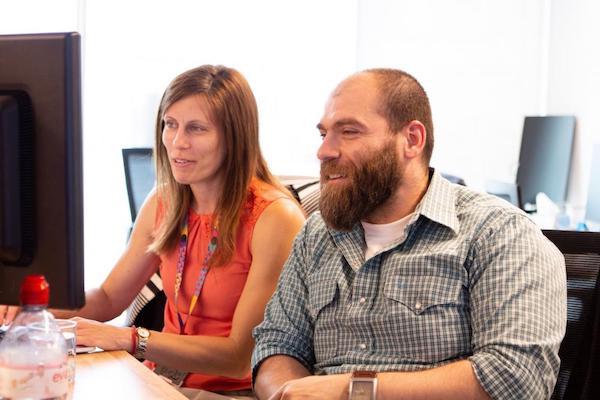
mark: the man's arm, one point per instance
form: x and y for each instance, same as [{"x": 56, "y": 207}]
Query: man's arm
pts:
[
  {"x": 518, "y": 310},
  {"x": 452, "y": 381},
  {"x": 274, "y": 372},
  {"x": 284, "y": 340}
]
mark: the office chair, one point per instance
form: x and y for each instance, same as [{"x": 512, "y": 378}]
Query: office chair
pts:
[
  {"x": 507, "y": 191},
  {"x": 305, "y": 189},
  {"x": 580, "y": 349},
  {"x": 147, "y": 308}
]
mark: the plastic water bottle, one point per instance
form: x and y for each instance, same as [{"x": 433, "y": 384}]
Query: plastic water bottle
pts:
[
  {"x": 562, "y": 221},
  {"x": 33, "y": 353}
]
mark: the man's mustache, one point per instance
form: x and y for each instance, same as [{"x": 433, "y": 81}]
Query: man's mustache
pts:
[{"x": 331, "y": 167}]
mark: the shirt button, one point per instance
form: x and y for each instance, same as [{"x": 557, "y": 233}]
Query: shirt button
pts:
[
  {"x": 418, "y": 305},
  {"x": 362, "y": 346},
  {"x": 362, "y": 300}
]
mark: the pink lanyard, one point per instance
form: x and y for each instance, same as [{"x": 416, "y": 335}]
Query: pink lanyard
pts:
[{"x": 212, "y": 245}]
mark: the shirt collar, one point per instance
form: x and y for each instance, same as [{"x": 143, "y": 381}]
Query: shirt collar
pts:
[
  {"x": 351, "y": 245},
  {"x": 439, "y": 202}
]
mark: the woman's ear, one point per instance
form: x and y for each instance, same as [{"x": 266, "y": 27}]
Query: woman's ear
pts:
[{"x": 416, "y": 136}]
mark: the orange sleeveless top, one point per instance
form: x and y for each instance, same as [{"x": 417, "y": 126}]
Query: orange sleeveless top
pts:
[{"x": 223, "y": 286}]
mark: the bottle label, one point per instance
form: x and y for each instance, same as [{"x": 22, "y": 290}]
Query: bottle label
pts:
[{"x": 35, "y": 381}]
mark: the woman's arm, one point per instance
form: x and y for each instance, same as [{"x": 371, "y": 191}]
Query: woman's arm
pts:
[{"x": 227, "y": 356}]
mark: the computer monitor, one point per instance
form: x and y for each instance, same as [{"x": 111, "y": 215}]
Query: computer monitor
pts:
[
  {"x": 41, "y": 194},
  {"x": 545, "y": 157},
  {"x": 505, "y": 190},
  {"x": 592, "y": 210}
]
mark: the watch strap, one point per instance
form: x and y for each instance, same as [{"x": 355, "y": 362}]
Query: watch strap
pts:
[{"x": 364, "y": 374}]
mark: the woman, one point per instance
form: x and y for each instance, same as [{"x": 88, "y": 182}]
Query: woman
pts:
[{"x": 218, "y": 226}]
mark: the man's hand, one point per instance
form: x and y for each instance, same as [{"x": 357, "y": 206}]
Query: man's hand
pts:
[{"x": 330, "y": 387}]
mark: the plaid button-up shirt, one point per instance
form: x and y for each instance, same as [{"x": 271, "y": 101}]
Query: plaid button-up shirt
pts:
[{"x": 471, "y": 278}]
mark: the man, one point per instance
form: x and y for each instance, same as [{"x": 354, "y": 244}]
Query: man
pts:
[{"x": 445, "y": 292}]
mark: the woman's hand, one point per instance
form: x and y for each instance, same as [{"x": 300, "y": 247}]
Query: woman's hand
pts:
[
  {"x": 8, "y": 313},
  {"x": 105, "y": 336}
]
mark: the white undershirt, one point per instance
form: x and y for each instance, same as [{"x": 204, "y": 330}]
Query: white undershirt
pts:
[{"x": 380, "y": 236}]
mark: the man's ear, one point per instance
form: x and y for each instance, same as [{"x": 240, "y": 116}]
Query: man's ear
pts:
[{"x": 416, "y": 136}]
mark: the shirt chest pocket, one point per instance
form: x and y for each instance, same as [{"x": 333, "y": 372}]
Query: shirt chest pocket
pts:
[
  {"x": 426, "y": 318},
  {"x": 422, "y": 294}
]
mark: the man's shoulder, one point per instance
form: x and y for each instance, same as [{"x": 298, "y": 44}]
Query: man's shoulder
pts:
[
  {"x": 315, "y": 232},
  {"x": 480, "y": 210},
  {"x": 315, "y": 226}
]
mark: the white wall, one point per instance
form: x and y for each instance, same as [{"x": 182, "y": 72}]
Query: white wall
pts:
[
  {"x": 484, "y": 63},
  {"x": 39, "y": 16},
  {"x": 479, "y": 62},
  {"x": 292, "y": 54},
  {"x": 574, "y": 83}
]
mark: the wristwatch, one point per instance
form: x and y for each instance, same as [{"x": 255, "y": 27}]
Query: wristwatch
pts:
[
  {"x": 142, "y": 341},
  {"x": 363, "y": 386}
]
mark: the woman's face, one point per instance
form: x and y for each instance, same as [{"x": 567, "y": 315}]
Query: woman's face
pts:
[{"x": 194, "y": 144}]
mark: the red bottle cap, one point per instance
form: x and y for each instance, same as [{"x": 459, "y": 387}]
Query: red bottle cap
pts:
[{"x": 35, "y": 290}]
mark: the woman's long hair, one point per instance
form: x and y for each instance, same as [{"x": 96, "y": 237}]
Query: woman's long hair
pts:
[{"x": 234, "y": 111}]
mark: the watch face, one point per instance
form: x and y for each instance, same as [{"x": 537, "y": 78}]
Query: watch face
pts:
[
  {"x": 361, "y": 390},
  {"x": 143, "y": 332}
]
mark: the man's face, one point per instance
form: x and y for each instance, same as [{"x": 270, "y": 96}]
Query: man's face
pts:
[{"x": 360, "y": 167}]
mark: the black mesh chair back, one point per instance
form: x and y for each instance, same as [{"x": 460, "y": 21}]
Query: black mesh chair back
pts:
[
  {"x": 306, "y": 190},
  {"x": 148, "y": 307},
  {"x": 579, "y": 375}
]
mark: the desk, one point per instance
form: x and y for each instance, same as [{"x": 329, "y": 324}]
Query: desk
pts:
[{"x": 117, "y": 375}]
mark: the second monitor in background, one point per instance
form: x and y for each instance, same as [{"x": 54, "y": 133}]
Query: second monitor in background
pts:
[
  {"x": 545, "y": 157},
  {"x": 139, "y": 176},
  {"x": 505, "y": 190},
  {"x": 592, "y": 210}
]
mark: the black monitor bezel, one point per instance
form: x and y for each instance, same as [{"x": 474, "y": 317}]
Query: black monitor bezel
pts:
[{"x": 48, "y": 68}]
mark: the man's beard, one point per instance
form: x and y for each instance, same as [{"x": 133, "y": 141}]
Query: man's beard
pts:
[{"x": 369, "y": 185}]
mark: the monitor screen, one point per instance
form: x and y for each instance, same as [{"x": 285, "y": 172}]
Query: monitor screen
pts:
[
  {"x": 592, "y": 210},
  {"x": 505, "y": 190},
  {"x": 139, "y": 176},
  {"x": 545, "y": 157},
  {"x": 41, "y": 197}
]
